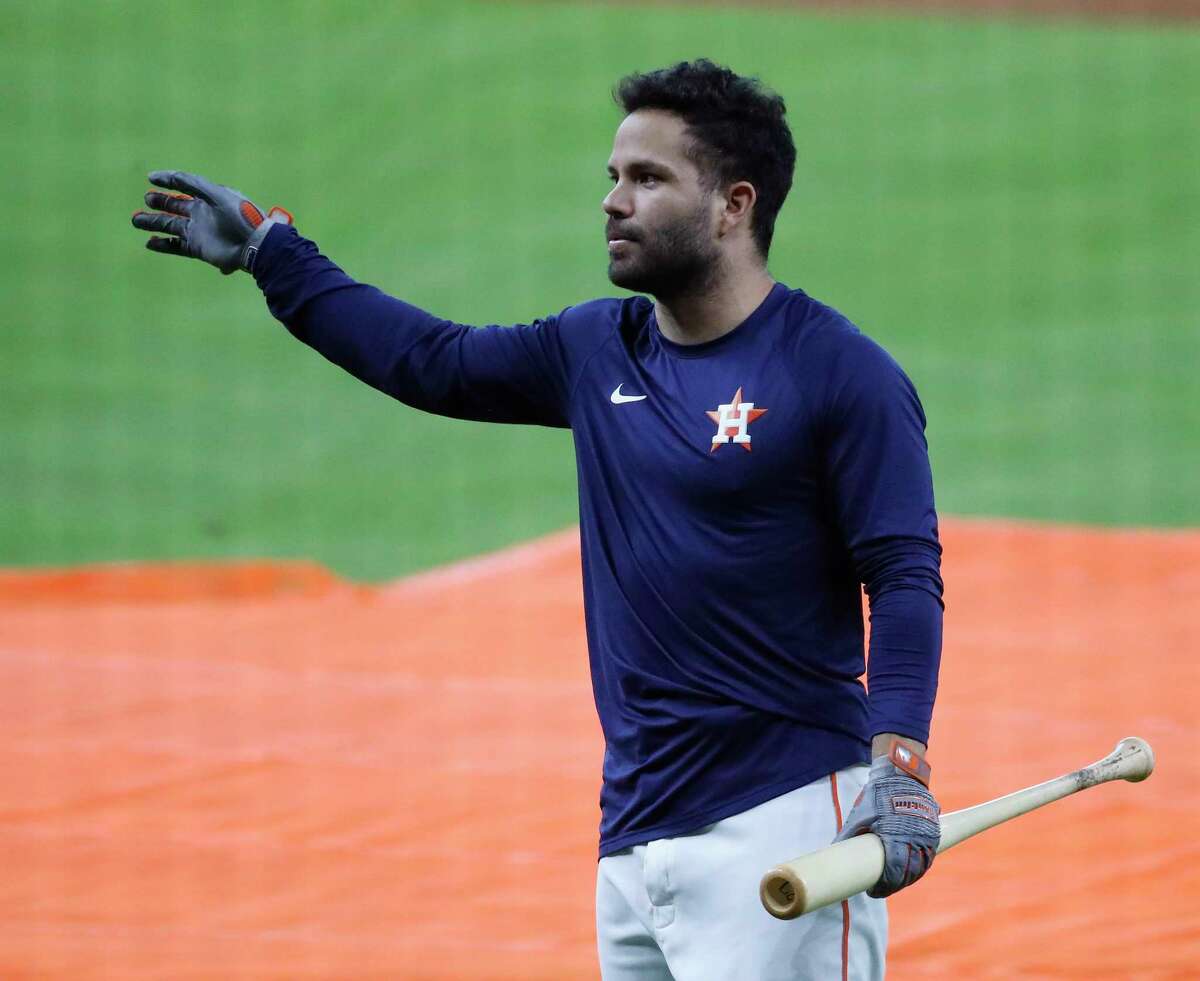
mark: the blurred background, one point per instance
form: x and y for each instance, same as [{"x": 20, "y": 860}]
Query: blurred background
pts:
[
  {"x": 1008, "y": 205},
  {"x": 1007, "y": 200}
]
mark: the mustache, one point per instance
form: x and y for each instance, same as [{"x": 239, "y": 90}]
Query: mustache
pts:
[{"x": 616, "y": 231}]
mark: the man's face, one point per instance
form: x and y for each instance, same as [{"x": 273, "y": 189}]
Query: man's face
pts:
[{"x": 661, "y": 227}]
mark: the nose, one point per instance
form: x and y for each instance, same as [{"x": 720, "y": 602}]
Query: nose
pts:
[{"x": 617, "y": 203}]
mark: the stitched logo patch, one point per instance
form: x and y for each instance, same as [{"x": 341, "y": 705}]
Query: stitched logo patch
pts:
[
  {"x": 732, "y": 421},
  {"x": 914, "y": 806}
]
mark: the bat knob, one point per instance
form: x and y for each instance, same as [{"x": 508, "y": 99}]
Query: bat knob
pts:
[{"x": 1137, "y": 759}]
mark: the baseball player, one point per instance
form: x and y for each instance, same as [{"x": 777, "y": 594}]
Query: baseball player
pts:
[{"x": 748, "y": 461}]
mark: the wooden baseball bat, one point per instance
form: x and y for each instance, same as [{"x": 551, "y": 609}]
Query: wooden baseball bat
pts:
[{"x": 837, "y": 872}]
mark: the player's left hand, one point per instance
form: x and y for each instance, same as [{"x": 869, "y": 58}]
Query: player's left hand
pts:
[{"x": 897, "y": 806}]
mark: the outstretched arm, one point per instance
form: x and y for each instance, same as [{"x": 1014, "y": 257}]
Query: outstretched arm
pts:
[{"x": 495, "y": 374}]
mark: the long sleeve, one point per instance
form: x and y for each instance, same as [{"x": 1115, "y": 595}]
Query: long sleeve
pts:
[
  {"x": 882, "y": 494},
  {"x": 493, "y": 374}
]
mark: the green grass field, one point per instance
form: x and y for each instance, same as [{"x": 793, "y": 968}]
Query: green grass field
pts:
[{"x": 1010, "y": 207}]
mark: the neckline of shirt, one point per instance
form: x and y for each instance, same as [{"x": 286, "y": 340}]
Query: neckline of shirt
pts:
[{"x": 772, "y": 300}]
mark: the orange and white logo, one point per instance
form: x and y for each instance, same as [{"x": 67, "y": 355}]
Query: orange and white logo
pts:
[{"x": 733, "y": 420}]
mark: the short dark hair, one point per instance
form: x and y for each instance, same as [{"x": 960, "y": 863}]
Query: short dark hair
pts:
[{"x": 737, "y": 127}]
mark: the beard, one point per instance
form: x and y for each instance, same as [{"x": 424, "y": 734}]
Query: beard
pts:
[{"x": 671, "y": 261}]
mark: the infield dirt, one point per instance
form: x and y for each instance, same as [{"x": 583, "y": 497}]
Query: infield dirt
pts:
[{"x": 264, "y": 771}]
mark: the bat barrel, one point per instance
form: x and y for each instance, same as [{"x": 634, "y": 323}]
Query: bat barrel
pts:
[
  {"x": 781, "y": 893},
  {"x": 822, "y": 877}
]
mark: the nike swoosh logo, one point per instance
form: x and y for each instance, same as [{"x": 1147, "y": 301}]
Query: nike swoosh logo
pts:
[{"x": 617, "y": 398}]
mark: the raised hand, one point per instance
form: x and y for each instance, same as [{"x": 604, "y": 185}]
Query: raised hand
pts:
[{"x": 205, "y": 221}]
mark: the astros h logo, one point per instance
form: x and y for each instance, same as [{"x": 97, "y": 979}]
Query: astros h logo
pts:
[{"x": 733, "y": 420}]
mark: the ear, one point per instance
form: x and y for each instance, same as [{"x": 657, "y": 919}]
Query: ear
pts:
[{"x": 739, "y": 200}]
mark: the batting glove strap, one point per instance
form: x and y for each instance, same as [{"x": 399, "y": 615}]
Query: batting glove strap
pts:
[
  {"x": 276, "y": 216},
  {"x": 904, "y": 814},
  {"x": 909, "y": 761}
]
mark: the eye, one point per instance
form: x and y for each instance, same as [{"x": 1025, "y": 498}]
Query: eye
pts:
[{"x": 648, "y": 179}]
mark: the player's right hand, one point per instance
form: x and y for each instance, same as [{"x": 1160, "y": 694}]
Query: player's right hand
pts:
[{"x": 206, "y": 221}]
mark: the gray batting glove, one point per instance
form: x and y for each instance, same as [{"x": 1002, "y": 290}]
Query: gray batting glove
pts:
[
  {"x": 207, "y": 221},
  {"x": 897, "y": 806}
]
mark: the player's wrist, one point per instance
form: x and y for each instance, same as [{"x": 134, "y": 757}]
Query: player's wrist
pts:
[
  {"x": 276, "y": 216},
  {"x": 881, "y": 743},
  {"x": 901, "y": 756}
]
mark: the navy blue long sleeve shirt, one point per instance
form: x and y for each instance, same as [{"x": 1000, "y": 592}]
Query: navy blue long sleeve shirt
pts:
[{"x": 735, "y": 497}]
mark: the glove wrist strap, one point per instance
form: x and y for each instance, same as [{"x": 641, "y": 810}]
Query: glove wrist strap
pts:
[
  {"x": 276, "y": 216},
  {"x": 909, "y": 761}
]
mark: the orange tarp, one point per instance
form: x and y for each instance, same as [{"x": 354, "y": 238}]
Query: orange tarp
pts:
[{"x": 260, "y": 771}]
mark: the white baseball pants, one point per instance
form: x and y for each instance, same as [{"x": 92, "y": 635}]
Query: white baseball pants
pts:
[{"x": 687, "y": 908}]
